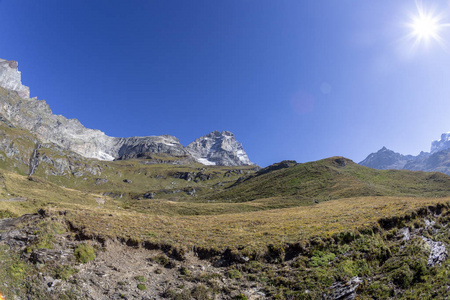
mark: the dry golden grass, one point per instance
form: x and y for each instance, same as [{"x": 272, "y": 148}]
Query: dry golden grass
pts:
[
  {"x": 252, "y": 230},
  {"x": 251, "y": 225}
]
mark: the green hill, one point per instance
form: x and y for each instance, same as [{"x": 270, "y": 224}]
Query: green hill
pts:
[{"x": 334, "y": 178}]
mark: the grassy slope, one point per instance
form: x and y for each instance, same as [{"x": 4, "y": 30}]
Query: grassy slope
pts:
[
  {"x": 329, "y": 179},
  {"x": 252, "y": 224},
  {"x": 250, "y": 230},
  {"x": 141, "y": 177},
  {"x": 264, "y": 227},
  {"x": 39, "y": 193}
]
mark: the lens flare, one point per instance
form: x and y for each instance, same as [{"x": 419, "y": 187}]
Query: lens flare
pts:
[
  {"x": 1, "y": 297},
  {"x": 426, "y": 26}
]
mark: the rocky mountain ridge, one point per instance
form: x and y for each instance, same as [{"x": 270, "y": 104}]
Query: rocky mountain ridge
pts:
[
  {"x": 438, "y": 160},
  {"x": 441, "y": 144},
  {"x": 219, "y": 148},
  {"x": 37, "y": 117}
]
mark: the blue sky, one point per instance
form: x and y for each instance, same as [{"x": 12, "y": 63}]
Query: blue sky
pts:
[{"x": 299, "y": 80}]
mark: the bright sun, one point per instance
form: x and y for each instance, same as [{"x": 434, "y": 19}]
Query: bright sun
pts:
[{"x": 426, "y": 26}]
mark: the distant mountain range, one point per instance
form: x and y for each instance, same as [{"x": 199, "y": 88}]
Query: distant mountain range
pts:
[
  {"x": 438, "y": 160},
  {"x": 216, "y": 148}
]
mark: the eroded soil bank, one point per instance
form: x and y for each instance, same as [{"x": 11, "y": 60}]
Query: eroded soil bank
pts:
[{"x": 44, "y": 257}]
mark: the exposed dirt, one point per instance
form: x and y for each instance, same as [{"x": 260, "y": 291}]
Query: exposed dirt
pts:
[{"x": 118, "y": 271}]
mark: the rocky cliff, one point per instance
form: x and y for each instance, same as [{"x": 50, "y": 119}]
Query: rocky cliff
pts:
[
  {"x": 218, "y": 148},
  {"x": 69, "y": 134},
  {"x": 10, "y": 78}
]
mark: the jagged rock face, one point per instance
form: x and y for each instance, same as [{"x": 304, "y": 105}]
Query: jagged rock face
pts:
[
  {"x": 10, "y": 78},
  {"x": 435, "y": 162},
  {"x": 37, "y": 117},
  {"x": 386, "y": 159},
  {"x": 442, "y": 144},
  {"x": 152, "y": 144},
  {"x": 69, "y": 134},
  {"x": 218, "y": 148}
]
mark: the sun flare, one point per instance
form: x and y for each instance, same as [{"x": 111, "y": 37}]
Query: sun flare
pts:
[{"x": 426, "y": 26}]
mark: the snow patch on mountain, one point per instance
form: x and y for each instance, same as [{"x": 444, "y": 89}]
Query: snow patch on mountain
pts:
[
  {"x": 220, "y": 148},
  {"x": 441, "y": 144},
  {"x": 217, "y": 148}
]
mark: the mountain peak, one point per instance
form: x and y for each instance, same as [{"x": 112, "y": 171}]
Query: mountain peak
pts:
[
  {"x": 386, "y": 159},
  {"x": 441, "y": 144},
  {"x": 11, "y": 79},
  {"x": 218, "y": 148}
]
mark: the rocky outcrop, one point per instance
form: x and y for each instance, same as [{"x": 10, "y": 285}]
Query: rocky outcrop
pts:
[
  {"x": 10, "y": 78},
  {"x": 36, "y": 116},
  {"x": 344, "y": 290},
  {"x": 438, "y": 252},
  {"x": 166, "y": 144},
  {"x": 277, "y": 166},
  {"x": 218, "y": 148}
]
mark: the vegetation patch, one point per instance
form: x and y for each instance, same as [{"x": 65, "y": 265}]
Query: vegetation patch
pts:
[
  {"x": 4, "y": 214},
  {"x": 84, "y": 253},
  {"x": 64, "y": 272}
]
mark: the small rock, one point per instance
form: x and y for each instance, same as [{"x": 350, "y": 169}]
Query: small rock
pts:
[
  {"x": 343, "y": 291},
  {"x": 438, "y": 253}
]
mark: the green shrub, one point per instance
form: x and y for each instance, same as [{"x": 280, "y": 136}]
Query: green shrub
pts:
[
  {"x": 161, "y": 259},
  {"x": 140, "y": 278},
  {"x": 234, "y": 274},
  {"x": 4, "y": 214},
  {"x": 403, "y": 276},
  {"x": 321, "y": 259},
  {"x": 241, "y": 297},
  {"x": 200, "y": 292},
  {"x": 17, "y": 270},
  {"x": 185, "y": 271},
  {"x": 380, "y": 290},
  {"x": 64, "y": 272},
  {"x": 84, "y": 253},
  {"x": 141, "y": 286}
]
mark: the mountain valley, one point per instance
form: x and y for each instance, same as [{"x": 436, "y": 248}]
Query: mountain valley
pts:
[{"x": 88, "y": 216}]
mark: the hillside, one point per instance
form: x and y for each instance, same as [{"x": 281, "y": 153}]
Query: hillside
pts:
[
  {"x": 279, "y": 245},
  {"x": 335, "y": 178},
  {"x": 87, "y": 216},
  {"x": 87, "y": 246}
]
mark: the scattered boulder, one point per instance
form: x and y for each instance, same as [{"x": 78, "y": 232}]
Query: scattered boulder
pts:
[
  {"x": 343, "y": 290},
  {"x": 149, "y": 195},
  {"x": 438, "y": 252},
  {"x": 100, "y": 181}
]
